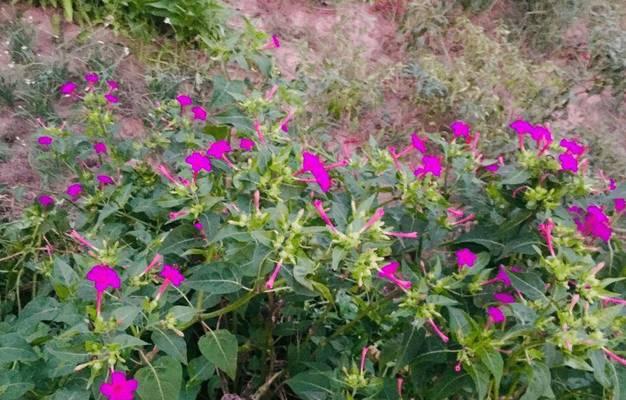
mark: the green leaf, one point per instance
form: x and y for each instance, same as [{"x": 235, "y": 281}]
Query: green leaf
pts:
[
  {"x": 126, "y": 341},
  {"x": 125, "y": 316},
  {"x": 172, "y": 344},
  {"x": 71, "y": 394},
  {"x": 200, "y": 370},
  {"x": 64, "y": 271},
  {"x": 494, "y": 363},
  {"x": 539, "y": 383},
  {"x": 183, "y": 314},
  {"x": 235, "y": 119},
  {"x": 530, "y": 284},
  {"x": 220, "y": 348},
  {"x": 13, "y": 385},
  {"x": 161, "y": 380},
  {"x": 480, "y": 376},
  {"x": 14, "y": 348},
  {"x": 226, "y": 92},
  {"x": 215, "y": 279},
  {"x": 312, "y": 385}
]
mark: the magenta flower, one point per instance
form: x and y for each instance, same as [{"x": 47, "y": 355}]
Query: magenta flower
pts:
[
  {"x": 272, "y": 279},
  {"x": 284, "y": 124},
  {"x": 199, "y": 227},
  {"x": 430, "y": 165},
  {"x": 198, "y": 162},
  {"x": 199, "y": 113},
  {"x": 74, "y": 190},
  {"x": 100, "y": 148},
  {"x": 363, "y": 358},
  {"x": 275, "y": 41},
  {"x": 319, "y": 206},
  {"x": 438, "y": 331},
  {"x": 501, "y": 276},
  {"x": 466, "y": 258},
  {"x": 378, "y": 214},
  {"x": 504, "y": 298},
  {"x": 219, "y": 149},
  {"x": 156, "y": 261},
  {"x": 492, "y": 167},
  {"x": 92, "y": 78},
  {"x": 246, "y": 144},
  {"x": 44, "y": 141},
  {"x": 81, "y": 239},
  {"x": 568, "y": 162},
  {"x": 594, "y": 222},
  {"x": 540, "y": 133},
  {"x": 460, "y": 129},
  {"x": 111, "y": 99},
  {"x": 418, "y": 143},
  {"x": 68, "y": 88},
  {"x": 619, "y": 204},
  {"x": 313, "y": 164},
  {"x": 572, "y": 146},
  {"x": 45, "y": 201},
  {"x": 103, "y": 278},
  {"x": 118, "y": 387},
  {"x": 184, "y": 100},
  {"x": 389, "y": 272},
  {"x": 545, "y": 230},
  {"x": 113, "y": 85},
  {"x": 105, "y": 180},
  {"x": 495, "y": 315},
  {"x": 614, "y": 356},
  {"x": 171, "y": 276},
  {"x": 521, "y": 126},
  {"x": 257, "y": 128},
  {"x": 177, "y": 214},
  {"x": 612, "y": 184}
]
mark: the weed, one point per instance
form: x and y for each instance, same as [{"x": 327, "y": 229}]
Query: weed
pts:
[{"x": 21, "y": 38}]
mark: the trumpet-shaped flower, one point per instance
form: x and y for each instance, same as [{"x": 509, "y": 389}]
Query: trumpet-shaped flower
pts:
[
  {"x": 100, "y": 148},
  {"x": 171, "y": 276},
  {"x": 619, "y": 204},
  {"x": 219, "y": 149},
  {"x": 466, "y": 258},
  {"x": 313, "y": 164},
  {"x": 113, "y": 85},
  {"x": 572, "y": 146},
  {"x": 495, "y": 315},
  {"x": 272, "y": 279},
  {"x": 199, "y": 113},
  {"x": 184, "y": 100},
  {"x": 198, "y": 162},
  {"x": 430, "y": 165},
  {"x": 74, "y": 190},
  {"x": 389, "y": 272},
  {"x": 103, "y": 278},
  {"x": 502, "y": 276},
  {"x": 521, "y": 126},
  {"x": 418, "y": 143},
  {"x": 92, "y": 78},
  {"x": 460, "y": 129},
  {"x": 246, "y": 144},
  {"x": 545, "y": 229},
  {"x": 68, "y": 88},
  {"x": 44, "y": 141},
  {"x": 45, "y": 201},
  {"x": 105, "y": 180},
  {"x": 438, "y": 330},
  {"x": 111, "y": 98},
  {"x": 593, "y": 222},
  {"x": 568, "y": 162},
  {"x": 118, "y": 387},
  {"x": 319, "y": 206}
]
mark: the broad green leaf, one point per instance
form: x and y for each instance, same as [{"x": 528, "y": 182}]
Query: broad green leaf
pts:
[
  {"x": 215, "y": 279},
  {"x": 312, "y": 385},
  {"x": 125, "y": 341},
  {"x": 125, "y": 316},
  {"x": 235, "y": 119},
  {"x": 14, "y": 348},
  {"x": 161, "y": 380},
  {"x": 64, "y": 272},
  {"x": 172, "y": 344},
  {"x": 494, "y": 363},
  {"x": 13, "y": 385},
  {"x": 183, "y": 314},
  {"x": 529, "y": 284},
  {"x": 480, "y": 376},
  {"x": 220, "y": 348},
  {"x": 226, "y": 92},
  {"x": 200, "y": 370},
  {"x": 71, "y": 394},
  {"x": 539, "y": 383}
]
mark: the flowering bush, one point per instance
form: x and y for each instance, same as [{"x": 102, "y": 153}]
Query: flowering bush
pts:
[{"x": 199, "y": 261}]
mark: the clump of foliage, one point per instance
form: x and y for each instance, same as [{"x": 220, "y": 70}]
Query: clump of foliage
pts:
[{"x": 221, "y": 256}]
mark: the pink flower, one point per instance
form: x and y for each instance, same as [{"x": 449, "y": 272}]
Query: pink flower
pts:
[
  {"x": 275, "y": 41},
  {"x": 112, "y": 99},
  {"x": 492, "y": 167},
  {"x": 389, "y": 272},
  {"x": 405, "y": 235},
  {"x": 466, "y": 258},
  {"x": 568, "y": 162},
  {"x": 619, "y": 204},
  {"x": 103, "y": 278},
  {"x": 171, "y": 276},
  {"x": 313, "y": 164},
  {"x": 495, "y": 315},
  {"x": 45, "y": 201},
  {"x": 270, "y": 282},
  {"x": 438, "y": 331},
  {"x": 198, "y": 162},
  {"x": 521, "y": 126},
  {"x": 68, "y": 88},
  {"x": 44, "y": 141},
  {"x": 430, "y": 165},
  {"x": 74, "y": 190},
  {"x": 219, "y": 149},
  {"x": 418, "y": 143},
  {"x": 501, "y": 276},
  {"x": 460, "y": 129},
  {"x": 80, "y": 239},
  {"x": 246, "y": 144},
  {"x": 167, "y": 174},
  {"x": 177, "y": 214},
  {"x": 545, "y": 230},
  {"x": 540, "y": 134},
  {"x": 113, "y": 85},
  {"x": 378, "y": 214},
  {"x": 92, "y": 78},
  {"x": 199, "y": 113},
  {"x": 184, "y": 100},
  {"x": 614, "y": 356},
  {"x": 105, "y": 180},
  {"x": 118, "y": 388},
  {"x": 504, "y": 298},
  {"x": 594, "y": 223},
  {"x": 257, "y": 128},
  {"x": 319, "y": 206},
  {"x": 284, "y": 124},
  {"x": 572, "y": 146},
  {"x": 199, "y": 227},
  {"x": 612, "y": 184},
  {"x": 363, "y": 358},
  {"x": 100, "y": 148},
  {"x": 156, "y": 260}
]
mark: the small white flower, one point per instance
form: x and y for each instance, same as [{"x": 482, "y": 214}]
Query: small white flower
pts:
[
  {"x": 11, "y": 65},
  {"x": 24, "y": 48},
  {"x": 126, "y": 51},
  {"x": 168, "y": 21}
]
